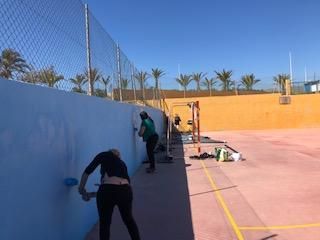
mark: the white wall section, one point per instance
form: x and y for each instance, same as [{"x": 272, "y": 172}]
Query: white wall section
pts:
[{"x": 47, "y": 135}]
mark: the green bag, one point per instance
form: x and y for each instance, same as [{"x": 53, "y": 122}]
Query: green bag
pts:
[{"x": 221, "y": 154}]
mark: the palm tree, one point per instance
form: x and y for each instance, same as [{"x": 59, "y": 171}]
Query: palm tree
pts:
[
  {"x": 94, "y": 75},
  {"x": 157, "y": 74},
  {"x": 78, "y": 81},
  {"x": 49, "y": 76},
  {"x": 248, "y": 81},
  {"x": 12, "y": 62},
  {"x": 197, "y": 77},
  {"x": 124, "y": 83},
  {"x": 99, "y": 93},
  {"x": 225, "y": 78},
  {"x": 142, "y": 77},
  {"x": 280, "y": 80},
  {"x": 209, "y": 83},
  {"x": 184, "y": 80},
  {"x": 31, "y": 77},
  {"x": 105, "y": 81}
]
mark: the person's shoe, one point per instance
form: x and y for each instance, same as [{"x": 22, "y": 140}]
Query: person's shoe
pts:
[{"x": 150, "y": 170}]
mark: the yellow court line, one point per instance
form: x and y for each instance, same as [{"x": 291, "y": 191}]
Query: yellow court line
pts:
[
  {"x": 281, "y": 227},
  {"x": 222, "y": 203}
]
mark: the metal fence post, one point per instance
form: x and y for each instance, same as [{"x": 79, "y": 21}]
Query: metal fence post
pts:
[
  {"x": 112, "y": 95},
  {"x": 159, "y": 94},
  {"x": 119, "y": 71},
  {"x": 133, "y": 83},
  {"x": 90, "y": 83}
]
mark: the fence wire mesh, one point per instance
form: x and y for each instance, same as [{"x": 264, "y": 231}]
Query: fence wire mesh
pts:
[
  {"x": 103, "y": 58},
  {"x": 39, "y": 44},
  {"x": 45, "y": 43}
]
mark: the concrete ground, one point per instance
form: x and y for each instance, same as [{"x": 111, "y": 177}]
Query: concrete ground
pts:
[{"x": 272, "y": 194}]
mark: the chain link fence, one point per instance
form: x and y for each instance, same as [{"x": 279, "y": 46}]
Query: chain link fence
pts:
[
  {"x": 39, "y": 44},
  {"x": 61, "y": 44}
]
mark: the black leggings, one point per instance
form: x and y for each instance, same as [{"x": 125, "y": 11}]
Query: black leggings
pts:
[
  {"x": 107, "y": 197},
  {"x": 151, "y": 144}
]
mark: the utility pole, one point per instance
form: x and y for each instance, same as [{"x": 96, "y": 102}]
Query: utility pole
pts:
[
  {"x": 290, "y": 62},
  {"x": 288, "y": 83},
  {"x": 305, "y": 74}
]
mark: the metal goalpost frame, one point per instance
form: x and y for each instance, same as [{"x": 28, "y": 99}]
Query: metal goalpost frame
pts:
[
  {"x": 196, "y": 124},
  {"x": 195, "y": 111}
]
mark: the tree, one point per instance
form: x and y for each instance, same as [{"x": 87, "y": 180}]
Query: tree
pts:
[
  {"x": 197, "y": 77},
  {"x": 248, "y": 81},
  {"x": 105, "y": 81},
  {"x": 100, "y": 93},
  {"x": 225, "y": 78},
  {"x": 124, "y": 83},
  {"x": 78, "y": 81},
  {"x": 31, "y": 77},
  {"x": 157, "y": 74},
  {"x": 184, "y": 80},
  {"x": 94, "y": 75},
  {"x": 280, "y": 80},
  {"x": 209, "y": 83},
  {"x": 142, "y": 77},
  {"x": 12, "y": 62},
  {"x": 49, "y": 76}
]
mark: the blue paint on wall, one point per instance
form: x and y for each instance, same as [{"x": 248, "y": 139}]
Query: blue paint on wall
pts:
[{"x": 47, "y": 135}]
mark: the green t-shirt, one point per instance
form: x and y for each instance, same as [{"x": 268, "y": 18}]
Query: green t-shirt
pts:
[{"x": 149, "y": 129}]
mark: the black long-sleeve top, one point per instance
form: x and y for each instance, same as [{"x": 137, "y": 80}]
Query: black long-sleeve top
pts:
[{"x": 110, "y": 164}]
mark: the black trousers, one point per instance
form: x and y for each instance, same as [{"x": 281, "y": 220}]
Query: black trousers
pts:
[
  {"x": 151, "y": 144},
  {"x": 108, "y": 196}
]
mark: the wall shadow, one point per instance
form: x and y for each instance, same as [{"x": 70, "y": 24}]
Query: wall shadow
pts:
[{"x": 161, "y": 203}]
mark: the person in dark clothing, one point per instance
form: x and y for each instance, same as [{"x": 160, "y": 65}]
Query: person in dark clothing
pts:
[
  {"x": 177, "y": 121},
  {"x": 148, "y": 133},
  {"x": 114, "y": 190}
]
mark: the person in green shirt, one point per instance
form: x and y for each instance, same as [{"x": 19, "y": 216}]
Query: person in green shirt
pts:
[{"x": 148, "y": 133}]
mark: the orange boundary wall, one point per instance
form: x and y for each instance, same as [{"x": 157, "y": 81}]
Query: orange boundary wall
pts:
[{"x": 252, "y": 112}]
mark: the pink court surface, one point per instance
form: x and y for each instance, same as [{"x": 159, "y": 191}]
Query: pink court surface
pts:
[{"x": 274, "y": 193}]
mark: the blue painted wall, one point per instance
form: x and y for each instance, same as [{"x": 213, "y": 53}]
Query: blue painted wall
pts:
[{"x": 47, "y": 135}]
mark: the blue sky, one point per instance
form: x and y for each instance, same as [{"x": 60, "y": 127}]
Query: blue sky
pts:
[{"x": 250, "y": 36}]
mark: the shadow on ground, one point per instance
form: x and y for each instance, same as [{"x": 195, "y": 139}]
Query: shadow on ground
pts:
[{"x": 161, "y": 204}]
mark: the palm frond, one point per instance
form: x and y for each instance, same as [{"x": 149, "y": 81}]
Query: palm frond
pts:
[
  {"x": 49, "y": 76},
  {"x": 12, "y": 62},
  {"x": 248, "y": 81},
  {"x": 197, "y": 77},
  {"x": 225, "y": 78}
]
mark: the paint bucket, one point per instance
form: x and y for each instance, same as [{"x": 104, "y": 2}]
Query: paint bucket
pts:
[{"x": 236, "y": 156}]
